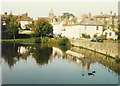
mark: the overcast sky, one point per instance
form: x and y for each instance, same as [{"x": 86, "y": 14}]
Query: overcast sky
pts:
[{"x": 39, "y": 8}]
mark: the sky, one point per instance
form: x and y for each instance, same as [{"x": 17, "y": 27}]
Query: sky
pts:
[{"x": 36, "y": 8}]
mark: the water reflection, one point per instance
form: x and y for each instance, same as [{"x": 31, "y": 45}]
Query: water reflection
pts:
[
  {"x": 41, "y": 54},
  {"x": 10, "y": 54},
  {"x": 94, "y": 58},
  {"x": 13, "y": 53}
]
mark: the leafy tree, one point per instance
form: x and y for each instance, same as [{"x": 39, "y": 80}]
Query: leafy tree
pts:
[
  {"x": 12, "y": 25},
  {"x": 43, "y": 28},
  {"x": 68, "y": 15},
  {"x": 64, "y": 41}
]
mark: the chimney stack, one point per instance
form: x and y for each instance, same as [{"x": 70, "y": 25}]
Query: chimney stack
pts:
[{"x": 5, "y": 13}]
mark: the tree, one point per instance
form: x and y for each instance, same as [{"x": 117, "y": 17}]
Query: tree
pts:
[
  {"x": 43, "y": 28},
  {"x": 67, "y": 16},
  {"x": 12, "y": 25}
]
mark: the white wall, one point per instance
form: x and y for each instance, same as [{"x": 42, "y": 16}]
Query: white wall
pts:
[
  {"x": 71, "y": 31},
  {"x": 23, "y": 23},
  {"x": 108, "y": 32},
  {"x": 57, "y": 29},
  {"x": 92, "y": 30},
  {"x": 75, "y": 31}
]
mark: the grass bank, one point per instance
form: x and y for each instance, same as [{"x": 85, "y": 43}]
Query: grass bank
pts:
[
  {"x": 20, "y": 40},
  {"x": 38, "y": 40}
]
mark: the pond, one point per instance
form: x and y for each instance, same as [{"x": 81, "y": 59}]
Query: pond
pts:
[{"x": 36, "y": 64}]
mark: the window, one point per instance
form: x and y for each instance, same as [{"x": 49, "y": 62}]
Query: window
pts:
[
  {"x": 110, "y": 34},
  {"x": 97, "y": 28},
  {"x": 106, "y": 33}
]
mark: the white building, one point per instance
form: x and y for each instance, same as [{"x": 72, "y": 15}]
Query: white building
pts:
[
  {"x": 110, "y": 34},
  {"x": 57, "y": 28},
  {"x": 86, "y": 26},
  {"x": 24, "y": 20},
  {"x": 71, "y": 31}
]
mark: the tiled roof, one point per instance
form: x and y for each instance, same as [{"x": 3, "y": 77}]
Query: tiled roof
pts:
[
  {"x": 102, "y": 16},
  {"x": 4, "y": 17},
  {"x": 24, "y": 17},
  {"x": 90, "y": 22}
]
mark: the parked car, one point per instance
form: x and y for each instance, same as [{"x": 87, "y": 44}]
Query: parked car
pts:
[{"x": 97, "y": 40}]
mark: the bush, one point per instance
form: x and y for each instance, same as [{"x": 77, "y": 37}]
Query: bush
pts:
[
  {"x": 38, "y": 40},
  {"x": 85, "y": 36},
  {"x": 117, "y": 60},
  {"x": 45, "y": 39},
  {"x": 95, "y": 35},
  {"x": 103, "y": 36},
  {"x": 64, "y": 41}
]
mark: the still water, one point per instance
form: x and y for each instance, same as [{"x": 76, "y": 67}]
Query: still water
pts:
[{"x": 36, "y": 64}]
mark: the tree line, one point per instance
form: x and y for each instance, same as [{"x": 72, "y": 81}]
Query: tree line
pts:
[{"x": 10, "y": 30}]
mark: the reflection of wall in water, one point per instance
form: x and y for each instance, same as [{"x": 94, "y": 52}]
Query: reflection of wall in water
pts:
[
  {"x": 85, "y": 62},
  {"x": 104, "y": 60}
]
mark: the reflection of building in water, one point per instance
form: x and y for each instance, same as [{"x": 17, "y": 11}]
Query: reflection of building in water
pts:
[
  {"x": 103, "y": 60},
  {"x": 57, "y": 52},
  {"x": 85, "y": 62},
  {"x": 23, "y": 52}
]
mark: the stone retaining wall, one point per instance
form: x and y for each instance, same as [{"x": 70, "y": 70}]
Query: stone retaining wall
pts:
[{"x": 107, "y": 48}]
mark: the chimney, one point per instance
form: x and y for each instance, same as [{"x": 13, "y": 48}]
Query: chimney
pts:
[
  {"x": 114, "y": 14},
  {"x": 26, "y": 14},
  {"x": 5, "y": 13},
  {"x": 101, "y": 13},
  {"x": 111, "y": 13},
  {"x": 90, "y": 15}
]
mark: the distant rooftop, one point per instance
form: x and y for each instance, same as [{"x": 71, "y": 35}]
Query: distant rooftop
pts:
[
  {"x": 24, "y": 17},
  {"x": 90, "y": 22}
]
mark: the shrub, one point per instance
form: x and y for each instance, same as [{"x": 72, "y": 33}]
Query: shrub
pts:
[
  {"x": 85, "y": 36},
  {"x": 38, "y": 40},
  {"x": 64, "y": 41},
  {"x": 95, "y": 35},
  {"x": 45, "y": 39},
  {"x": 117, "y": 60},
  {"x": 103, "y": 36}
]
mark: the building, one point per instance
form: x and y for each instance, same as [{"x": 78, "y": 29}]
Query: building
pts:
[
  {"x": 24, "y": 20},
  {"x": 52, "y": 16},
  {"x": 4, "y": 18},
  {"x": 110, "y": 34},
  {"x": 108, "y": 20},
  {"x": 89, "y": 27}
]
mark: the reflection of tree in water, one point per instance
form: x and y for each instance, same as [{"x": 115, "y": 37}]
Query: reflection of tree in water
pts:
[
  {"x": 9, "y": 53},
  {"x": 41, "y": 54},
  {"x": 64, "y": 48}
]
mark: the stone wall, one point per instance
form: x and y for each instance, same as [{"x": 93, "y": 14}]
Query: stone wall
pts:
[{"x": 108, "y": 48}]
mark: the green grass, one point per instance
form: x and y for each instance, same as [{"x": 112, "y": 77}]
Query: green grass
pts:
[
  {"x": 45, "y": 40},
  {"x": 20, "y": 40}
]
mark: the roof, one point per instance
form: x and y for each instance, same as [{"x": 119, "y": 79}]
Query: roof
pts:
[
  {"x": 87, "y": 22},
  {"x": 24, "y": 17},
  {"x": 102, "y": 16},
  {"x": 47, "y": 18},
  {"x": 4, "y": 17},
  {"x": 92, "y": 22}
]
